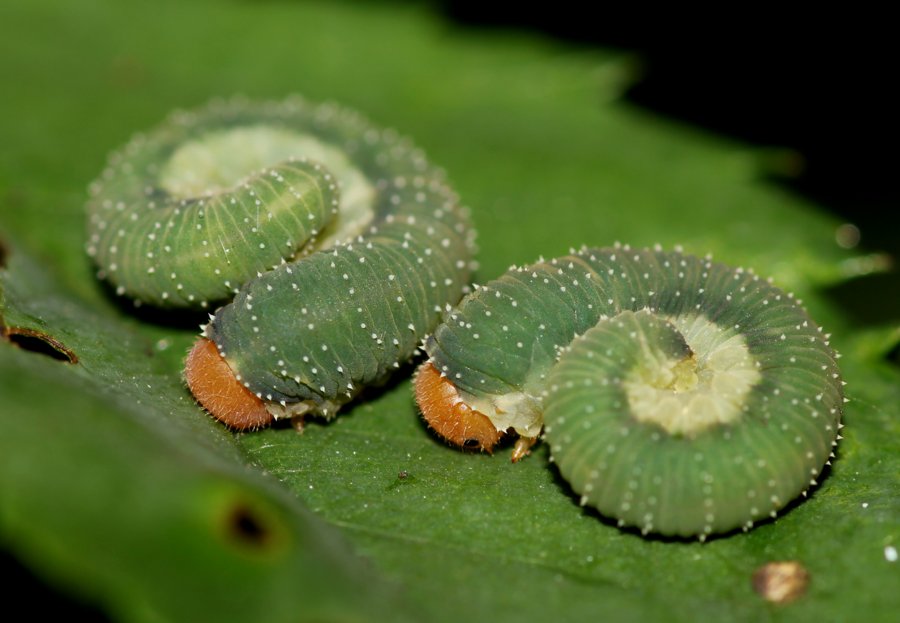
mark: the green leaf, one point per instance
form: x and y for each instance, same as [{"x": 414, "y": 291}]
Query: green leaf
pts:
[
  {"x": 114, "y": 485},
  {"x": 112, "y": 482}
]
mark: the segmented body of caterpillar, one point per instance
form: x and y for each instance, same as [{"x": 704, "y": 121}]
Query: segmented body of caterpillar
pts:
[
  {"x": 679, "y": 396},
  {"x": 341, "y": 242}
]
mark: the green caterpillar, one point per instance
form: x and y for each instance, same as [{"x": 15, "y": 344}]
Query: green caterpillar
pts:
[
  {"x": 340, "y": 243},
  {"x": 677, "y": 395}
]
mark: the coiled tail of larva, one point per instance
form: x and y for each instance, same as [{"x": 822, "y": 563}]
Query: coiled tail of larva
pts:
[
  {"x": 340, "y": 243},
  {"x": 677, "y": 395}
]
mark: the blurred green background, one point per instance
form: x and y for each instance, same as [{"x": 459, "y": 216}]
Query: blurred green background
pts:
[{"x": 120, "y": 494}]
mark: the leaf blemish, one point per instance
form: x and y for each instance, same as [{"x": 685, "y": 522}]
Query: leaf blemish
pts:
[
  {"x": 39, "y": 342},
  {"x": 247, "y": 528},
  {"x": 781, "y": 582}
]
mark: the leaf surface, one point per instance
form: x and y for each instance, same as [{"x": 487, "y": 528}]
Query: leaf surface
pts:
[{"x": 116, "y": 486}]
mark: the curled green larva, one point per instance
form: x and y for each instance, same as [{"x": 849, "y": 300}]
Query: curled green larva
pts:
[
  {"x": 679, "y": 396},
  {"x": 340, "y": 243}
]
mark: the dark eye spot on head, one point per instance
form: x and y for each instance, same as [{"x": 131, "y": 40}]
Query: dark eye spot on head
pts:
[
  {"x": 247, "y": 527},
  {"x": 471, "y": 443},
  {"x": 39, "y": 342}
]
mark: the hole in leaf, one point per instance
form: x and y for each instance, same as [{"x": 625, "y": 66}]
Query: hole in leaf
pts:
[
  {"x": 40, "y": 343},
  {"x": 247, "y": 527}
]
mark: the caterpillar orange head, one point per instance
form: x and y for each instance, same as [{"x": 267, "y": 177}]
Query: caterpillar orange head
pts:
[
  {"x": 215, "y": 386},
  {"x": 449, "y": 416}
]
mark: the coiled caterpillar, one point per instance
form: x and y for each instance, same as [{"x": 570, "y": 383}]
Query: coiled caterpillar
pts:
[
  {"x": 242, "y": 199},
  {"x": 677, "y": 395}
]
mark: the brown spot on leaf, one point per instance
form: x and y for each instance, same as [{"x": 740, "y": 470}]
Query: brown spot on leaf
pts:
[
  {"x": 781, "y": 582},
  {"x": 248, "y": 528}
]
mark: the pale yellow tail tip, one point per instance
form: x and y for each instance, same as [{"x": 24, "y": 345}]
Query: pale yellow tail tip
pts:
[
  {"x": 449, "y": 416},
  {"x": 215, "y": 387}
]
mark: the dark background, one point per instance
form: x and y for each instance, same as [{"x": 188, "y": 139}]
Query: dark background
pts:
[{"x": 814, "y": 82}]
